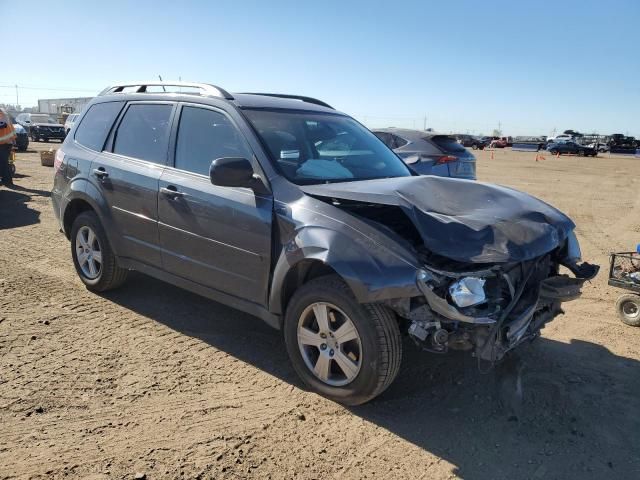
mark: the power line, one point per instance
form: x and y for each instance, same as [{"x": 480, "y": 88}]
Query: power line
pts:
[{"x": 53, "y": 89}]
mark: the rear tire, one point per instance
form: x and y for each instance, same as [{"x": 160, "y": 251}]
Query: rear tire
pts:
[
  {"x": 378, "y": 338},
  {"x": 553, "y": 151},
  {"x": 581, "y": 153},
  {"x": 99, "y": 275},
  {"x": 628, "y": 308}
]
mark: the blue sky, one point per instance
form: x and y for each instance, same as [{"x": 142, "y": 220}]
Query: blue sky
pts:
[{"x": 465, "y": 65}]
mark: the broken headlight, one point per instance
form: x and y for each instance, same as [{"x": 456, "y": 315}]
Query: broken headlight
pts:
[{"x": 468, "y": 291}]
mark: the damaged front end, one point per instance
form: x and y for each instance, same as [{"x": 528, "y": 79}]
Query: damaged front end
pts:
[
  {"x": 492, "y": 265},
  {"x": 490, "y": 310}
]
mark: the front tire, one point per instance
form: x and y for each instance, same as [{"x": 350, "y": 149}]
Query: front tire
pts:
[
  {"x": 93, "y": 257},
  {"x": 628, "y": 308},
  {"x": 346, "y": 351}
]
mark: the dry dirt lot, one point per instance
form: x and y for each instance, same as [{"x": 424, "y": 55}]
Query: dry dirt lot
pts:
[{"x": 155, "y": 381}]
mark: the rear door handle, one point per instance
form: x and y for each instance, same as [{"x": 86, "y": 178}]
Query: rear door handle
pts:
[
  {"x": 171, "y": 192},
  {"x": 100, "y": 173}
]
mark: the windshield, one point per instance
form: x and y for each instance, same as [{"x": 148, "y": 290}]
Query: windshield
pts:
[{"x": 312, "y": 148}]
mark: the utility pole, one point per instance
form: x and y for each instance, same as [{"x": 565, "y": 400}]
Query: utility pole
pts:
[
  {"x": 425, "y": 123},
  {"x": 17, "y": 98}
]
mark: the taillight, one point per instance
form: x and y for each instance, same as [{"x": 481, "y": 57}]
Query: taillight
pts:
[
  {"x": 446, "y": 159},
  {"x": 57, "y": 162}
]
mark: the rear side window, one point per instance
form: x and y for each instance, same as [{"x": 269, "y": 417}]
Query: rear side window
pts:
[
  {"x": 94, "y": 128},
  {"x": 385, "y": 137},
  {"x": 447, "y": 143},
  {"x": 143, "y": 132},
  {"x": 398, "y": 141},
  {"x": 203, "y": 136}
]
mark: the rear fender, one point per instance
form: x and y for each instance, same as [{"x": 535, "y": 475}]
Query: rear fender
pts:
[{"x": 81, "y": 189}]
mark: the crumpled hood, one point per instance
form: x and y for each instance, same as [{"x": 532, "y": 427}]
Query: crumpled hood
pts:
[{"x": 463, "y": 220}]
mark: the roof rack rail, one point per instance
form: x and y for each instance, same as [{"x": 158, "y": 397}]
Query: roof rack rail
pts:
[
  {"x": 315, "y": 101},
  {"x": 205, "y": 88}
]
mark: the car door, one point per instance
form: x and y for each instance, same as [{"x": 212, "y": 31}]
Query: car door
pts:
[
  {"x": 219, "y": 237},
  {"x": 127, "y": 176}
]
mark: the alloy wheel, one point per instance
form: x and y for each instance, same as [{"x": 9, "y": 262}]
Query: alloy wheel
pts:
[
  {"x": 329, "y": 344},
  {"x": 88, "y": 253}
]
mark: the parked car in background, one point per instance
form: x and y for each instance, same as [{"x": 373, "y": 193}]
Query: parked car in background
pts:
[
  {"x": 47, "y": 131},
  {"x": 22, "y": 137},
  {"x": 471, "y": 141},
  {"x": 27, "y": 119},
  {"x": 68, "y": 124},
  {"x": 560, "y": 138},
  {"x": 498, "y": 142},
  {"x": 539, "y": 142},
  {"x": 619, "y": 140},
  {"x": 600, "y": 147},
  {"x": 41, "y": 126},
  {"x": 572, "y": 147},
  {"x": 430, "y": 153}
]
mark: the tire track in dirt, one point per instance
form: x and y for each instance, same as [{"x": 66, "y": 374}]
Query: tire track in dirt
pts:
[{"x": 96, "y": 319}]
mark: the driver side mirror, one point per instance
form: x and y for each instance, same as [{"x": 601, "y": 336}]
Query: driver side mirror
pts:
[{"x": 232, "y": 172}]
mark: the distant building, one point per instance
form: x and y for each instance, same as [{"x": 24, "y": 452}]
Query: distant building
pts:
[{"x": 62, "y": 105}]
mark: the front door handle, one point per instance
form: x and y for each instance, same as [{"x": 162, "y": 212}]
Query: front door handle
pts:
[
  {"x": 171, "y": 192},
  {"x": 100, "y": 173}
]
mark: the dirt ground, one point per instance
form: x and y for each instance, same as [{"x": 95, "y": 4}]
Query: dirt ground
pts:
[{"x": 153, "y": 381}]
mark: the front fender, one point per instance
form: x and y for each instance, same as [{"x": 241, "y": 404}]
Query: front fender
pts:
[{"x": 371, "y": 271}]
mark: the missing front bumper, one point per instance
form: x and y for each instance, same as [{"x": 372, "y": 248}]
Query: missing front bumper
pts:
[{"x": 534, "y": 299}]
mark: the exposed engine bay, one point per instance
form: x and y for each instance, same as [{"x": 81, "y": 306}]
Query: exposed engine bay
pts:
[{"x": 491, "y": 263}]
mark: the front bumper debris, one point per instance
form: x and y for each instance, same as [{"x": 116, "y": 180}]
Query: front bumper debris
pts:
[{"x": 521, "y": 299}]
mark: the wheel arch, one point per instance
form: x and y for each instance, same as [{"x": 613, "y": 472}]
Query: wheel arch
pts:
[
  {"x": 74, "y": 208},
  {"x": 85, "y": 197},
  {"x": 299, "y": 274}
]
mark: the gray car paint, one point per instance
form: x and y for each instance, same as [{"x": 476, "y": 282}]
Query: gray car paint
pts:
[{"x": 270, "y": 236}]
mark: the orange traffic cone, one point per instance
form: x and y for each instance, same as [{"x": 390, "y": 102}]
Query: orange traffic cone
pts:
[{"x": 558, "y": 154}]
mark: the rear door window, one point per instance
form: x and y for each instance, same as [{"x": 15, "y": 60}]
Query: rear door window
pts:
[
  {"x": 94, "y": 127},
  {"x": 143, "y": 132},
  {"x": 447, "y": 143}
]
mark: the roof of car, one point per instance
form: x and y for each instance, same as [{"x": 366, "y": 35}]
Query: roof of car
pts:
[
  {"x": 204, "y": 93},
  {"x": 251, "y": 100},
  {"x": 410, "y": 134}
]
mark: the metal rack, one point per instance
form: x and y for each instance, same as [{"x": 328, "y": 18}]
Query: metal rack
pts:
[{"x": 205, "y": 89}]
